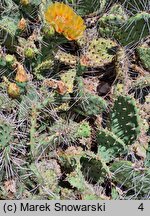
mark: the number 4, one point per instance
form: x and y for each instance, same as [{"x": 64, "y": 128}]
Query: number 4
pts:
[{"x": 141, "y": 207}]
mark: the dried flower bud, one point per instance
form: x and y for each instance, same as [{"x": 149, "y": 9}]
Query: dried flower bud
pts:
[
  {"x": 13, "y": 90},
  {"x": 24, "y": 2},
  {"x": 21, "y": 75},
  {"x": 22, "y": 24}
]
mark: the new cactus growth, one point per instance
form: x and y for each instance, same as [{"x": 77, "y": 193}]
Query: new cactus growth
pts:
[
  {"x": 13, "y": 90},
  {"x": 84, "y": 130}
]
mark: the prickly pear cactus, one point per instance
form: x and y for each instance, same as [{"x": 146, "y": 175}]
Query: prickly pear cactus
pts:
[
  {"x": 123, "y": 129},
  {"x": 7, "y": 24},
  {"x": 6, "y": 134},
  {"x": 74, "y": 99},
  {"x": 128, "y": 175},
  {"x": 99, "y": 53},
  {"x": 109, "y": 145},
  {"x": 134, "y": 30},
  {"x": 125, "y": 119},
  {"x": 47, "y": 174},
  {"x": 90, "y": 163},
  {"x": 84, "y": 130},
  {"x": 66, "y": 58},
  {"x": 90, "y": 104},
  {"x": 112, "y": 21},
  {"x": 143, "y": 53},
  {"x": 68, "y": 79}
]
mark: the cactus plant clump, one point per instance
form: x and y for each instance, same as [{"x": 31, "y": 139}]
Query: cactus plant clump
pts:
[{"x": 74, "y": 99}]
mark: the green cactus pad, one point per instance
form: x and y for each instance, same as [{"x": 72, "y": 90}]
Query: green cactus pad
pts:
[
  {"x": 84, "y": 130},
  {"x": 110, "y": 22},
  {"x": 40, "y": 69},
  {"x": 70, "y": 158},
  {"x": 66, "y": 58},
  {"x": 90, "y": 104},
  {"x": 125, "y": 119},
  {"x": 99, "y": 53},
  {"x": 134, "y": 30},
  {"x": 143, "y": 53},
  {"x": 94, "y": 168},
  {"x": 6, "y": 134},
  {"x": 109, "y": 145},
  {"x": 93, "y": 104},
  {"x": 126, "y": 174},
  {"x": 142, "y": 82},
  {"x": 46, "y": 174},
  {"x": 77, "y": 180},
  {"x": 8, "y": 25},
  {"x": 68, "y": 78},
  {"x": 121, "y": 64}
]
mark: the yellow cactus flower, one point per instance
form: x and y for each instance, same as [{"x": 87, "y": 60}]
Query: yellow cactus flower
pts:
[{"x": 65, "y": 20}]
